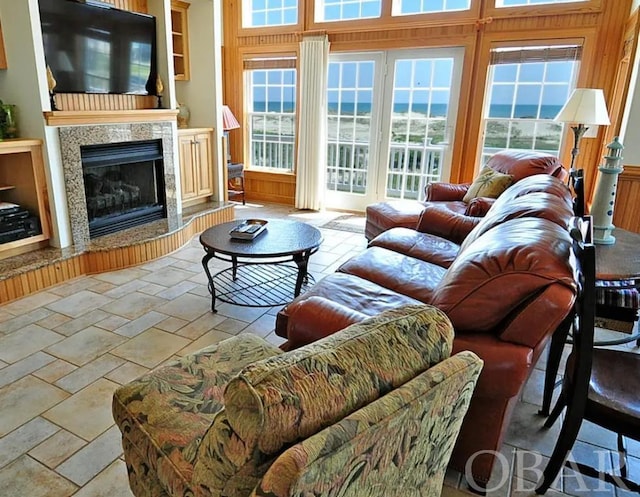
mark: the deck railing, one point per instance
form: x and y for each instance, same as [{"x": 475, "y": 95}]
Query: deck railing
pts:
[{"x": 411, "y": 167}]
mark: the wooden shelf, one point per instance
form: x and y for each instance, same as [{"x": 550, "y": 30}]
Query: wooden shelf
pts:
[
  {"x": 180, "y": 36},
  {"x": 74, "y": 117},
  {"x": 22, "y": 182}
]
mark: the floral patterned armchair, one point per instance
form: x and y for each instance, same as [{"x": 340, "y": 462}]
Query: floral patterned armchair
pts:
[{"x": 373, "y": 410}]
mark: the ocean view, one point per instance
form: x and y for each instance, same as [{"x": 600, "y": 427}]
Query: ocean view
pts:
[{"x": 437, "y": 110}]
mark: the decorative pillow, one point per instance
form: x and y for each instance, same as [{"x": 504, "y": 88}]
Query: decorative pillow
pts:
[{"x": 489, "y": 183}]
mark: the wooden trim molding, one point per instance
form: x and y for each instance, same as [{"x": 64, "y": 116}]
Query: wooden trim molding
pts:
[
  {"x": 28, "y": 281},
  {"x": 626, "y": 214},
  {"x": 71, "y": 118}
]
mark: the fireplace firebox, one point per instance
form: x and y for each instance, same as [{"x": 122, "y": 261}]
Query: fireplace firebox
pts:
[{"x": 123, "y": 184}]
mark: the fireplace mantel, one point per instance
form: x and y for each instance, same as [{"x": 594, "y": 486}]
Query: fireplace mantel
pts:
[{"x": 88, "y": 117}]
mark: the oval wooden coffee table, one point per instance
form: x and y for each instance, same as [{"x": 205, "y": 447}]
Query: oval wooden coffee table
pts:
[{"x": 261, "y": 272}]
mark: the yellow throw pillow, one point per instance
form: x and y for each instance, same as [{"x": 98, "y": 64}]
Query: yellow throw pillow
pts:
[{"x": 489, "y": 183}]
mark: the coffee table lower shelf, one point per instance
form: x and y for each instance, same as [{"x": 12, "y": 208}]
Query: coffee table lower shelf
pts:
[{"x": 258, "y": 285}]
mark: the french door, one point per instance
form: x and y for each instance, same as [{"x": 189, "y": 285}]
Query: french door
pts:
[{"x": 390, "y": 119}]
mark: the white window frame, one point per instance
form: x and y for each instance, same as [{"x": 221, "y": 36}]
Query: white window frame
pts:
[
  {"x": 247, "y": 16},
  {"x": 396, "y": 9},
  {"x": 320, "y": 6},
  {"x": 271, "y": 64},
  {"x": 526, "y": 55}
]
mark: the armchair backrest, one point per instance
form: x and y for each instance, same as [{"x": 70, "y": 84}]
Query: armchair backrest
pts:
[
  {"x": 395, "y": 445},
  {"x": 521, "y": 164}
]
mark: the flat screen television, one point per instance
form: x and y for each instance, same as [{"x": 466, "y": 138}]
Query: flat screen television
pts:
[{"x": 93, "y": 48}]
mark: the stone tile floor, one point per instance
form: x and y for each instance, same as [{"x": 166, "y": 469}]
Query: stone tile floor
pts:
[{"x": 65, "y": 350}]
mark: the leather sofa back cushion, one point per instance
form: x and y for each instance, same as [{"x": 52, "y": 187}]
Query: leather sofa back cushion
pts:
[
  {"x": 501, "y": 270},
  {"x": 275, "y": 402},
  {"x": 540, "y": 205},
  {"x": 521, "y": 164},
  {"x": 489, "y": 183}
]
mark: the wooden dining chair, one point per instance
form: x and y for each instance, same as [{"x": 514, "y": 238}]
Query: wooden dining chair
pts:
[{"x": 600, "y": 385}]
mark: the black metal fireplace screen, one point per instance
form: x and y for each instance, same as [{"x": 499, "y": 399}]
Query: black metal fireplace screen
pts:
[{"x": 123, "y": 184}]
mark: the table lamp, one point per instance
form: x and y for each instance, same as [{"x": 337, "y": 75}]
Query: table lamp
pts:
[
  {"x": 585, "y": 106},
  {"x": 229, "y": 122}
]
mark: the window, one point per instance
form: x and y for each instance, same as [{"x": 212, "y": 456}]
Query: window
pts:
[
  {"x": 410, "y": 7},
  {"x": 263, "y": 13},
  {"x": 97, "y": 56},
  {"x": 342, "y": 10},
  {"x": 514, "y": 3},
  {"x": 272, "y": 115},
  {"x": 527, "y": 89}
]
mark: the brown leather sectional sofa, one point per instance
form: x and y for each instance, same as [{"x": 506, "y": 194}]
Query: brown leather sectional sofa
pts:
[
  {"x": 504, "y": 280},
  {"x": 446, "y": 198}
]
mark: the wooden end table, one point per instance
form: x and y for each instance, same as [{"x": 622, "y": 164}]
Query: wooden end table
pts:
[{"x": 261, "y": 273}]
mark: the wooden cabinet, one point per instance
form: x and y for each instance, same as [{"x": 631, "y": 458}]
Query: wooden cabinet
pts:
[
  {"x": 196, "y": 164},
  {"x": 180, "y": 35},
  {"x": 22, "y": 182}
]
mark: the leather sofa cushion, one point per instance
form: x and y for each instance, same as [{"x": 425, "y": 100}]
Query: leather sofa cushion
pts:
[
  {"x": 423, "y": 246},
  {"x": 521, "y": 164},
  {"x": 272, "y": 403},
  {"x": 406, "y": 275},
  {"x": 501, "y": 270},
  {"x": 356, "y": 293},
  {"x": 385, "y": 215},
  {"x": 540, "y": 205}
]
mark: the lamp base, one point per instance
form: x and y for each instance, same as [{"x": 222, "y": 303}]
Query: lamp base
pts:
[{"x": 603, "y": 236}]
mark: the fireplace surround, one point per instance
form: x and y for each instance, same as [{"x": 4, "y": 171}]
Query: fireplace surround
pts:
[
  {"x": 73, "y": 139},
  {"x": 123, "y": 185}
]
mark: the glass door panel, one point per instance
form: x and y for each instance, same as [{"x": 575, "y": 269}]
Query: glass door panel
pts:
[
  {"x": 390, "y": 116},
  {"x": 421, "y": 114},
  {"x": 352, "y": 123}
]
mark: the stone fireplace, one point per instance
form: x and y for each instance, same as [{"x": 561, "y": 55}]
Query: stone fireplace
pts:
[{"x": 101, "y": 193}]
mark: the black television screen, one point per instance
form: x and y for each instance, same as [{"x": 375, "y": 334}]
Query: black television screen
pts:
[{"x": 98, "y": 49}]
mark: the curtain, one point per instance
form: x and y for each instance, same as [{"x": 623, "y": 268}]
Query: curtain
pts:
[{"x": 312, "y": 133}]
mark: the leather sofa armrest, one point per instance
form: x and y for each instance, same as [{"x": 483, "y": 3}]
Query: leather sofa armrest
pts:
[
  {"x": 445, "y": 191},
  {"x": 445, "y": 223},
  {"x": 315, "y": 318},
  {"x": 479, "y": 206}
]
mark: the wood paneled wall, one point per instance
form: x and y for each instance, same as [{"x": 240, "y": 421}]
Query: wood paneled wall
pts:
[
  {"x": 270, "y": 187},
  {"x": 84, "y": 101},
  {"x": 604, "y": 27},
  {"x": 626, "y": 214}
]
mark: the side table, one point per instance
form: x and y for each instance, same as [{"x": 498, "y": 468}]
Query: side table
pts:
[
  {"x": 235, "y": 171},
  {"x": 617, "y": 267}
]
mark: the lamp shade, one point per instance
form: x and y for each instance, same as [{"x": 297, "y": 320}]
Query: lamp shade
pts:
[
  {"x": 229, "y": 121},
  {"x": 585, "y": 106}
]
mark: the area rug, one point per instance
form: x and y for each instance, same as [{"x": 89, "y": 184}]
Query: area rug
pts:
[{"x": 349, "y": 222}]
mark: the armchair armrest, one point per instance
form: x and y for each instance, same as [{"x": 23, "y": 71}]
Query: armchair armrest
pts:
[
  {"x": 479, "y": 206},
  {"x": 445, "y": 223},
  {"x": 445, "y": 191},
  {"x": 429, "y": 408}
]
